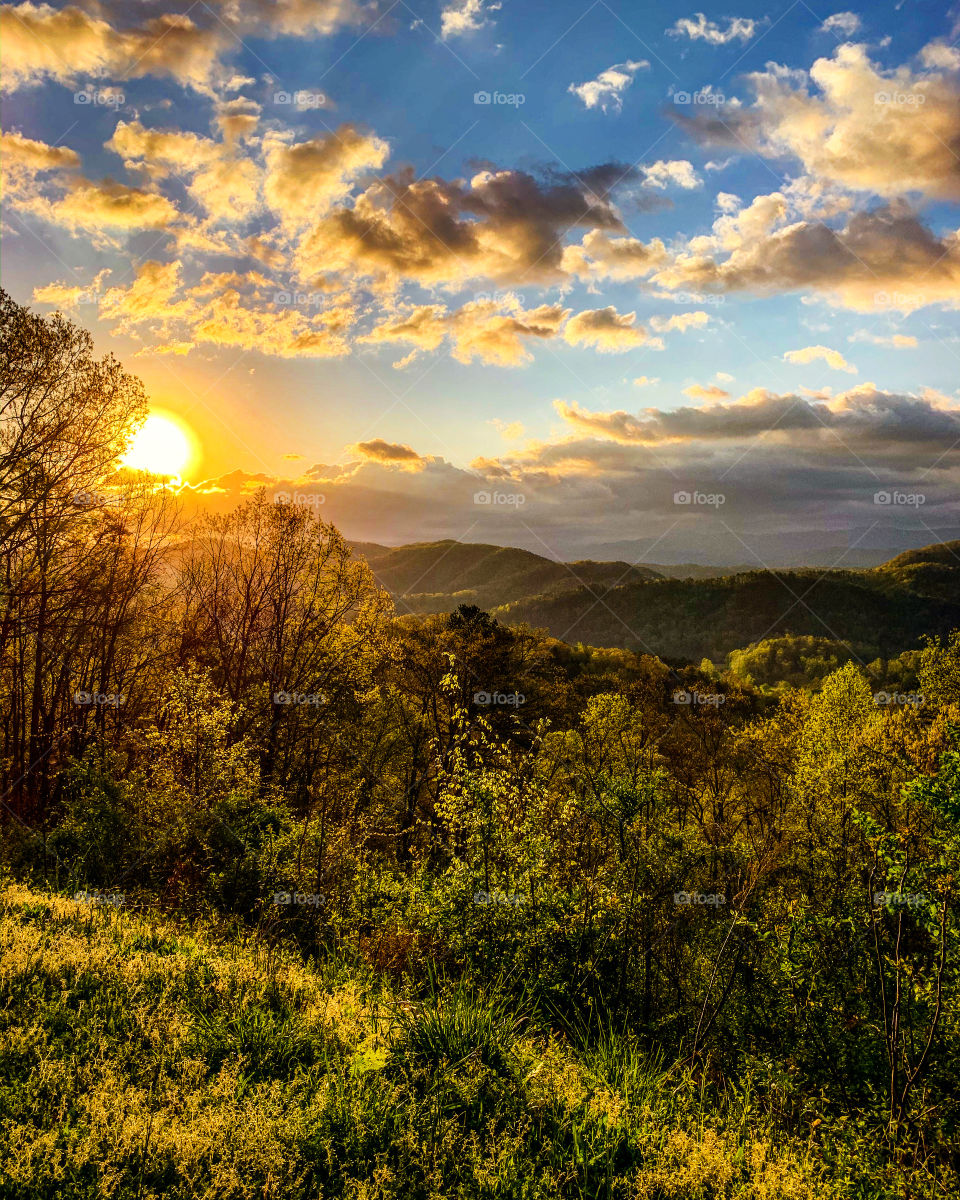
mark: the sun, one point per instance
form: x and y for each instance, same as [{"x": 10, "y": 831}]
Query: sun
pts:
[{"x": 162, "y": 445}]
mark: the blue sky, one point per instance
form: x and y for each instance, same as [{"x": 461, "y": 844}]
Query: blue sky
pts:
[{"x": 751, "y": 210}]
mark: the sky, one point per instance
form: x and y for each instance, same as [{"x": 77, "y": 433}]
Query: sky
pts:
[{"x": 595, "y": 279}]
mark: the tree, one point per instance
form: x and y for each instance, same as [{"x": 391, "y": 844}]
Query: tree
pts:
[{"x": 65, "y": 419}]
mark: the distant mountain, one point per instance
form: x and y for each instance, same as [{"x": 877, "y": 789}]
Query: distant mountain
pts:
[
  {"x": 704, "y": 612},
  {"x": 438, "y": 576},
  {"x": 888, "y": 608},
  {"x": 869, "y": 546},
  {"x": 696, "y": 570}
]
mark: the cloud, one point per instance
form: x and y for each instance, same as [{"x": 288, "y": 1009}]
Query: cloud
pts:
[
  {"x": 939, "y": 54},
  {"x": 606, "y": 91},
  {"x": 70, "y": 295},
  {"x": 462, "y": 17},
  {"x": 888, "y": 132},
  {"x": 644, "y": 381},
  {"x": 237, "y": 119},
  {"x": 681, "y": 321},
  {"x": 697, "y": 391},
  {"x": 225, "y": 309},
  {"x": 809, "y": 354},
  {"x": 883, "y": 260},
  {"x": 600, "y": 256},
  {"x": 503, "y": 225},
  {"x": 861, "y": 416},
  {"x": 23, "y": 161},
  {"x": 606, "y": 330},
  {"x": 41, "y": 42},
  {"x": 226, "y": 186},
  {"x": 387, "y": 452},
  {"x": 897, "y": 341},
  {"x": 229, "y": 319},
  {"x": 678, "y": 172},
  {"x": 698, "y": 28},
  {"x": 511, "y": 432},
  {"x": 478, "y": 330},
  {"x": 150, "y": 296},
  {"x": 303, "y": 179},
  {"x": 847, "y": 23},
  {"x": 19, "y": 151},
  {"x": 92, "y": 206}
]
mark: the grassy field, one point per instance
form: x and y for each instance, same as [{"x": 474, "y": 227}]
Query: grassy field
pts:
[{"x": 141, "y": 1057}]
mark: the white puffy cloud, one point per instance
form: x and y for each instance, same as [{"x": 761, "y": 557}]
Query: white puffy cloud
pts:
[
  {"x": 863, "y": 128},
  {"x": 698, "y": 28},
  {"x": 606, "y": 91},
  {"x": 678, "y": 172},
  {"x": 847, "y": 23},
  {"x": 459, "y": 18}
]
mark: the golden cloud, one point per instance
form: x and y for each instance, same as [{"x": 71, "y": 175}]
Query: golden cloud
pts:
[
  {"x": 607, "y": 331},
  {"x": 478, "y": 330},
  {"x": 303, "y": 179},
  {"x": 809, "y": 354},
  {"x": 865, "y": 128}
]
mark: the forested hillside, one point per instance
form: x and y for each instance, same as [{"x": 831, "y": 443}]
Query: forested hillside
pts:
[
  {"x": 439, "y": 576},
  {"x": 888, "y": 610},
  {"x": 707, "y": 612}
]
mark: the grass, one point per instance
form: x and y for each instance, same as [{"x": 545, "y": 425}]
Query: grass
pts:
[{"x": 142, "y": 1059}]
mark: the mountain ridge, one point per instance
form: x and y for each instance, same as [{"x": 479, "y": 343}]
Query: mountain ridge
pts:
[{"x": 889, "y": 607}]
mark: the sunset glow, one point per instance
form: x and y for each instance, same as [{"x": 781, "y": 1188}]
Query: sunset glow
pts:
[{"x": 163, "y": 446}]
